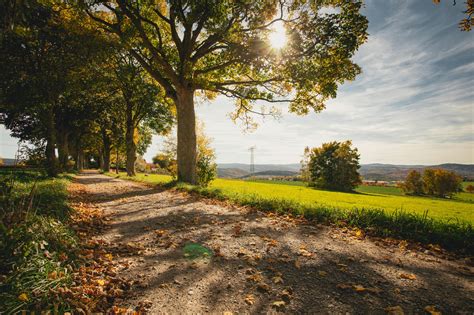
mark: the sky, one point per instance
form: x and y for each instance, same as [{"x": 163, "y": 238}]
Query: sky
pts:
[{"x": 412, "y": 104}]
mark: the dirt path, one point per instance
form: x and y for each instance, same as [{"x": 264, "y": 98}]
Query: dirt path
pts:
[{"x": 257, "y": 260}]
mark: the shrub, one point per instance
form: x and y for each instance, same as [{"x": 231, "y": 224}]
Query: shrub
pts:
[{"x": 206, "y": 167}]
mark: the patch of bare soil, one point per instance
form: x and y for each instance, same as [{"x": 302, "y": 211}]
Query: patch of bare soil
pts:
[{"x": 183, "y": 254}]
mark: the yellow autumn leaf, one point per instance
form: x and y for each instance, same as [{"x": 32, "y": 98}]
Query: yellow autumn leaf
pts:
[
  {"x": 432, "y": 310},
  {"x": 297, "y": 264},
  {"x": 250, "y": 299},
  {"x": 394, "y": 310},
  {"x": 408, "y": 276},
  {"x": 277, "y": 280},
  {"x": 23, "y": 297},
  {"x": 278, "y": 304},
  {"x": 108, "y": 256},
  {"x": 101, "y": 282}
]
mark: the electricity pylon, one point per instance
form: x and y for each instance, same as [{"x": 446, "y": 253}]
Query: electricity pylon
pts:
[{"x": 252, "y": 159}]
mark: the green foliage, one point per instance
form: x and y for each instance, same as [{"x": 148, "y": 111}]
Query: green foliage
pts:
[
  {"x": 334, "y": 166},
  {"x": 441, "y": 183},
  {"x": 413, "y": 183},
  {"x": 162, "y": 160},
  {"x": 206, "y": 159},
  {"x": 206, "y": 169}
]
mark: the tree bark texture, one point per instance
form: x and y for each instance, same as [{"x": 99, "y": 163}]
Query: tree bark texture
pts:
[
  {"x": 186, "y": 136},
  {"x": 51, "y": 159},
  {"x": 131, "y": 146}
]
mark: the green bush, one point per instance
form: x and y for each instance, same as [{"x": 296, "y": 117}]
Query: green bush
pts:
[{"x": 206, "y": 169}]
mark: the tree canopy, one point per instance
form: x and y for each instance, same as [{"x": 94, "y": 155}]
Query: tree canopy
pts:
[
  {"x": 222, "y": 47},
  {"x": 334, "y": 165}
]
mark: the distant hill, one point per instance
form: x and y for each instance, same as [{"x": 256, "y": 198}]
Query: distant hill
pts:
[
  {"x": 262, "y": 167},
  {"x": 375, "y": 171},
  {"x": 266, "y": 174},
  {"x": 399, "y": 172},
  {"x": 231, "y": 172}
]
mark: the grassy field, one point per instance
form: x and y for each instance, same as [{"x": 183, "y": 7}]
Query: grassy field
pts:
[
  {"x": 35, "y": 240},
  {"x": 368, "y": 197},
  {"x": 377, "y": 190}
]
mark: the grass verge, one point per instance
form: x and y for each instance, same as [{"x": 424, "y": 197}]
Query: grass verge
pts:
[
  {"x": 37, "y": 247},
  {"x": 449, "y": 233}
]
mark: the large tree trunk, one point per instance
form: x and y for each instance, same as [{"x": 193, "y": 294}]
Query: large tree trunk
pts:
[
  {"x": 63, "y": 150},
  {"x": 106, "y": 151},
  {"x": 79, "y": 156},
  {"x": 117, "y": 159},
  {"x": 80, "y": 159},
  {"x": 51, "y": 160},
  {"x": 186, "y": 136},
  {"x": 130, "y": 144}
]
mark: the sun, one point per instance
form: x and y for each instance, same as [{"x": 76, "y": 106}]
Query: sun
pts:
[{"x": 277, "y": 36}]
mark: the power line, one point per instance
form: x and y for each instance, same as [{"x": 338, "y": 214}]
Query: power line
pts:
[{"x": 252, "y": 159}]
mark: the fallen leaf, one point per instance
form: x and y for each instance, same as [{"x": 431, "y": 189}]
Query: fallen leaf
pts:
[
  {"x": 431, "y": 309},
  {"x": 297, "y": 264},
  {"x": 278, "y": 304},
  {"x": 305, "y": 253},
  {"x": 286, "y": 295},
  {"x": 263, "y": 287},
  {"x": 394, "y": 310},
  {"x": 101, "y": 282},
  {"x": 52, "y": 275},
  {"x": 408, "y": 276},
  {"x": 23, "y": 297},
  {"x": 359, "y": 234},
  {"x": 242, "y": 252},
  {"x": 108, "y": 256},
  {"x": 322, "y": 273},
  {"x": 403, "y": 245},
  {"x": 237, "y": 230},
  {"x": 277, "y": 280},
  {"x": 255, "y": 278},
  {"x": 250, "y": 299},
  {"x": 359, "y": 288},
  {"x": 435, "y": 247}
]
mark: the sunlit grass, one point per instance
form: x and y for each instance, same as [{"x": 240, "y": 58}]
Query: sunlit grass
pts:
[{"x": 368, "y": 198}]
